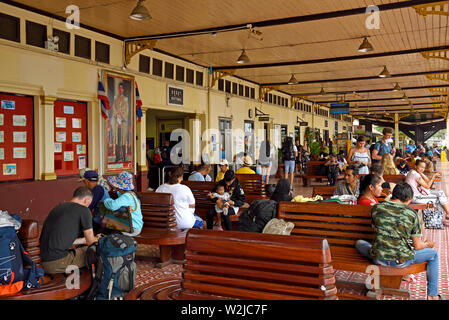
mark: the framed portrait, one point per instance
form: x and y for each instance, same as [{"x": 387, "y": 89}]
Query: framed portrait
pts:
[{"x": 119, "y": 125}]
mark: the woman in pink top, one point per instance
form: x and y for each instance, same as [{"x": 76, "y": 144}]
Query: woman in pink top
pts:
[
  {"x": 370, "y": 188},
  {"x": 421, "y": 185}
]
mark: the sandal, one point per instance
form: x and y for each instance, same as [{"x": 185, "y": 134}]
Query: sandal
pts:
[{"x": 441, "y": 298}]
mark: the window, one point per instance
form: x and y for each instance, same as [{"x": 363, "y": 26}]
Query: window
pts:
[
  {"x": 253, "y": 93},
  {"x": 199, "y": 78},
  {"x": 189, "y": 76},
  {"x": 9, "y": 27},
  {"x": 36, "y": 34},
  {"x": 144, "y": 64},
  {"x": 246, "y": 91},
  {"x": 241, "y": 90},
  {"x": 157, "y": 67},
  {"x": 180, "y": 73},
  {"x": 270, "y": 98},
  {"x": 221, "y": 84},
  {"x": 102, "y": 52},
  {"x": 326, "y": 123},
  {"x": 234, "y": 88},
  {"x": 82, "y": 47},
  {"x": 169, "y": 70},
  {"x": 64, "y": 40},
  {"x": 228, "y": 86}
]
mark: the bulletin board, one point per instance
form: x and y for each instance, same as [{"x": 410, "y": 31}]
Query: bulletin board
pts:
[
  {"x": 16, "y": 138},
  {"x": 70, "y": 137}
]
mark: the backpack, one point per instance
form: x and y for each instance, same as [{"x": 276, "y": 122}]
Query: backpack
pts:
[
  {"x": 157, "y": 158},
  {"x": 257, "y": 215},
  {"x": 17, "y": 270},
  {"x": 111, "y": 263},
  {"x": 287, "y": 150},
  {"x": 380, "y": 150}
]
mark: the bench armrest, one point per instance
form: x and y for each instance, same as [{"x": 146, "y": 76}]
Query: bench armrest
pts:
[{"x": 28, "y": 230}]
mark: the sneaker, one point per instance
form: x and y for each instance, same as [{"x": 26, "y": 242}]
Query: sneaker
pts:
[
  {"x": 219, "y": 228},
  {"x": 150, "y": 190},
  {"x": 225, "y": 211}
]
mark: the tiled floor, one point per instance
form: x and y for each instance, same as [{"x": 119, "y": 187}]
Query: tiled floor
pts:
[{"x": 146, "y": 272}]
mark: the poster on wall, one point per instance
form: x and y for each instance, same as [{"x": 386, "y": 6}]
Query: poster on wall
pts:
[
  {"x": 80, "y": 149},
  {"x": 9, "y": 169},
  {"x": 69, "y": 110},
  {"x": 60, "y": 136},
  {"x": 19, "y": 153},
  {"x": 8, "y": 105},
  {"x": 2, "y": 154},
  {"x": 76, "y": 136},
  {"x": 82, "y": 162},
  {"x": 119, "y": 125},
  {"x": 2, "y": 119},
  {"x": 19, "y": 136},
  {"x": 68, "y": 155},
  {"x": 19, "y": 120},
  {"x": 61, "y": 122},
  {"x": 58, "y": 147},
  {"x": 76, "y": 123},
  {"x": 2, "y": 136}
]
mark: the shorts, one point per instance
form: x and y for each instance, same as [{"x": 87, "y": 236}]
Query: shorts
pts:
[
  {"x": 74, "y": 257},
  {"x": 289, "y": 166},
  {"x": 199, "y": 223}
]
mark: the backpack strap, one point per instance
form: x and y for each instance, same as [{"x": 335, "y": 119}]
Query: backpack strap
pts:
[{"x": 134, "y": 197}]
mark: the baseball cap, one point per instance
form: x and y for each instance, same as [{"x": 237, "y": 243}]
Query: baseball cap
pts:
[
  {"x": 91, "y": 175},
  {"x": 224, "y": 162}
]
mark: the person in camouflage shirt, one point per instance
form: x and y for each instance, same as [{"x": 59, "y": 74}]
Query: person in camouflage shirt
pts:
[{"x": 395, "y": 224}]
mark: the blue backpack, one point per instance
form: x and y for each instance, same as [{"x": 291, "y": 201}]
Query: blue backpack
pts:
[
  {"x": 112, "y": 266},
  {"x": 17, "y": 270}
]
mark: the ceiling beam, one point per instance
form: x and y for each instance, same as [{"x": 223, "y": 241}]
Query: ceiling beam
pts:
[
  {"x": 380, "y": 99},
  {"x": 376, "y": 77},
  {"x": 282, "y": 21},
  {"x": 335, "y": 59},
  {"x": 366, "y": 91}
]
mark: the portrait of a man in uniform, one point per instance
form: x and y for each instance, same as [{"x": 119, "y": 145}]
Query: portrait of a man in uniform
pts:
[{"x": 119, "y": 124}]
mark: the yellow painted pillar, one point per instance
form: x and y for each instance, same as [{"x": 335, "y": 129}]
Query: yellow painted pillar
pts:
[
  {"x": 396, "y": 131},
  {"x": 94, "y": 140},
  {"x": 141, "y": 133},
  {"x": 47, "y": 138},
  {"x": 195, "y": 139}
]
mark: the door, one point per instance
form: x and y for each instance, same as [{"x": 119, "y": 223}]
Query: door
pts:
[
  {"x": 225, "y": 127},
  {"x": 249, "y": 138}
]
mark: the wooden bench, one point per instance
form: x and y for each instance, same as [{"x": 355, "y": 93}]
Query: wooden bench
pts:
[
  {"x": 312, "y": 173},
  {"x": 54, "y": 286},
  {"x": 160, "y": 228},
  {"x": 240, "y": 265},
  {"x": 342, "y": 227},
  {"x": 394, "y": 178},
  {"x": 253, "y": 185}
]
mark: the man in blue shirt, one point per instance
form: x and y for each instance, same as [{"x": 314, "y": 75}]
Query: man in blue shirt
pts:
[
  {"x": 410, "y": 147},
  {"x": 384, "y": 146},
  {"x": 90, "y": 180},
  {"x": 201, "y": 174}
]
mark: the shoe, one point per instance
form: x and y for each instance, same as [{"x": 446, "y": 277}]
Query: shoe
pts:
[
  {"x": 150, "y": 190},
  {"x": 225, "y": 211},
  {"x": 441, "y": 298},
  {"x": 219, "y": 228}
]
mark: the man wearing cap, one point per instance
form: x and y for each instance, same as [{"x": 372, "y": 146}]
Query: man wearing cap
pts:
[
  {"x": 224, "y": 166},
  {"x": 90, "y": 180},
  {"x": 245, "y": 168}
]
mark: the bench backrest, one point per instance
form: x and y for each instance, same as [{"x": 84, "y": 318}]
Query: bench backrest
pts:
[
  {"x": 312, "y": 167},
  {"x": 325, "y": 191},
  {"x": 253, "y": 185},
  {"x": 200, "y": 190},
  {"x": 158, "y": 211},
  {"x": 241, "y": 265},
  {"x": 394, "y": 178},
  {"x": 341, "y": 225}
]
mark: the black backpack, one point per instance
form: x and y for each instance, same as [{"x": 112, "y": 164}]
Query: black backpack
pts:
[
  {"x": 257, "y": 215},
  {"x": 287, "y": 150}
]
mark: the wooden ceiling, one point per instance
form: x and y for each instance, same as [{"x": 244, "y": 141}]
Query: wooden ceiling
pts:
[{"x": 332, "y": 33}]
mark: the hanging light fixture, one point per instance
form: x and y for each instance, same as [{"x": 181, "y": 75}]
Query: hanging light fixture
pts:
[
  {"x": 243, "y": 58},
  {"x": 365, "y": 46},
  {"x": 384, "y": 73},
  {"x": 404, "y": 97},
  {"x": 397, "y": 87},
  {"x": 140, "y": 12},
  {"x": 322, "y": 92},
  {"x": 293, "y": 80}
]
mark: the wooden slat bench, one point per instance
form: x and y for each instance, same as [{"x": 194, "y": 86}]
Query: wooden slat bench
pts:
[
  {"x": 253, "y": 185},
  {"x": 54, "y": 286},
  {"x": 342, "y": 227},
  {"x": 160, "y": 228},
  {"x": 240, "y": 265},
  {"x": 312, "y": 173}
]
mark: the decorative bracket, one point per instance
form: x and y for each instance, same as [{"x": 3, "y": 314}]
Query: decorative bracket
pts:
[
  {"x": 134, "y": 47},
  {"x": 442, "y": 98},
  {"x": 264, "y": 90},
  {"x": 295, "y": 100},
  {"x": 216, "y": 75},
  {"x": 441, "y": 90},
  {"x": 438, "y": 8},
  {"x": 438, "y": 76},
  {"x": 436, "y": 54}
]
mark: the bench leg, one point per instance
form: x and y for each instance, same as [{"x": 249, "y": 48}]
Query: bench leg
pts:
[
  {"x": 165, "y": 258},
  {"x": 178, "y": 254},
  {"x": 391, "y": 285},
  {"x": 305, "y": 182}
]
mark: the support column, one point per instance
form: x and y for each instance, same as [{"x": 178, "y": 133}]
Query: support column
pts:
[
  {"x": 142, "y": 168},
  {"x": 47, "y": 138},
  {"x": 447, "y": 132},
  {"x": 396, "y": 131},
  {"x": 195, "y": 139}
]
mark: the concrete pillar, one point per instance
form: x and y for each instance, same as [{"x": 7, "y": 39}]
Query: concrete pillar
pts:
[
  {"x": 396, "y": 131},
  {"x": 447, "y": 132},
  {"x": 195, "y": 139},
  {"x": 142, "y": 168},
  {"x": 47, "y": 138}
]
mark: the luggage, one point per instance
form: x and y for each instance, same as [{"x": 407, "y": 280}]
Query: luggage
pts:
[
  {"x": 433, "y": 219},
  {"x": 111, "y": 263},
  {"x": 257, "y": 215},
  {"x": 287, "y": 150},
  {"x": 17, "y": 270},
  {"x": 278, "y": 226}
]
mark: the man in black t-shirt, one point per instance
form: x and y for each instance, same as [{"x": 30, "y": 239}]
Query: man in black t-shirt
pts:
[{"x": 67, "y": 225}]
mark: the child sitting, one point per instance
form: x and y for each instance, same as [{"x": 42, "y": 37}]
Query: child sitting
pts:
[{"x": 221, "y": 194}]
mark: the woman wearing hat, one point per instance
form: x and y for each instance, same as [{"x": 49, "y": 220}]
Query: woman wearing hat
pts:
[
  {"x": 224, "y": 166},
  {"x": 246, "y": 163},
  {"x": 123, "y": 184}
]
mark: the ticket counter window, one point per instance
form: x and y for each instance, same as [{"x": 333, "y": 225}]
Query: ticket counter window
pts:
[
  {"x": 70, "y": 137},
  {"x": 16, "y": 138}
]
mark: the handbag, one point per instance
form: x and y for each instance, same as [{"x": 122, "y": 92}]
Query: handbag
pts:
[
  {"x": 433, "y": 219},
  {"x": 278, "y": 226},
  {"x": 120, "y": 220}
]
